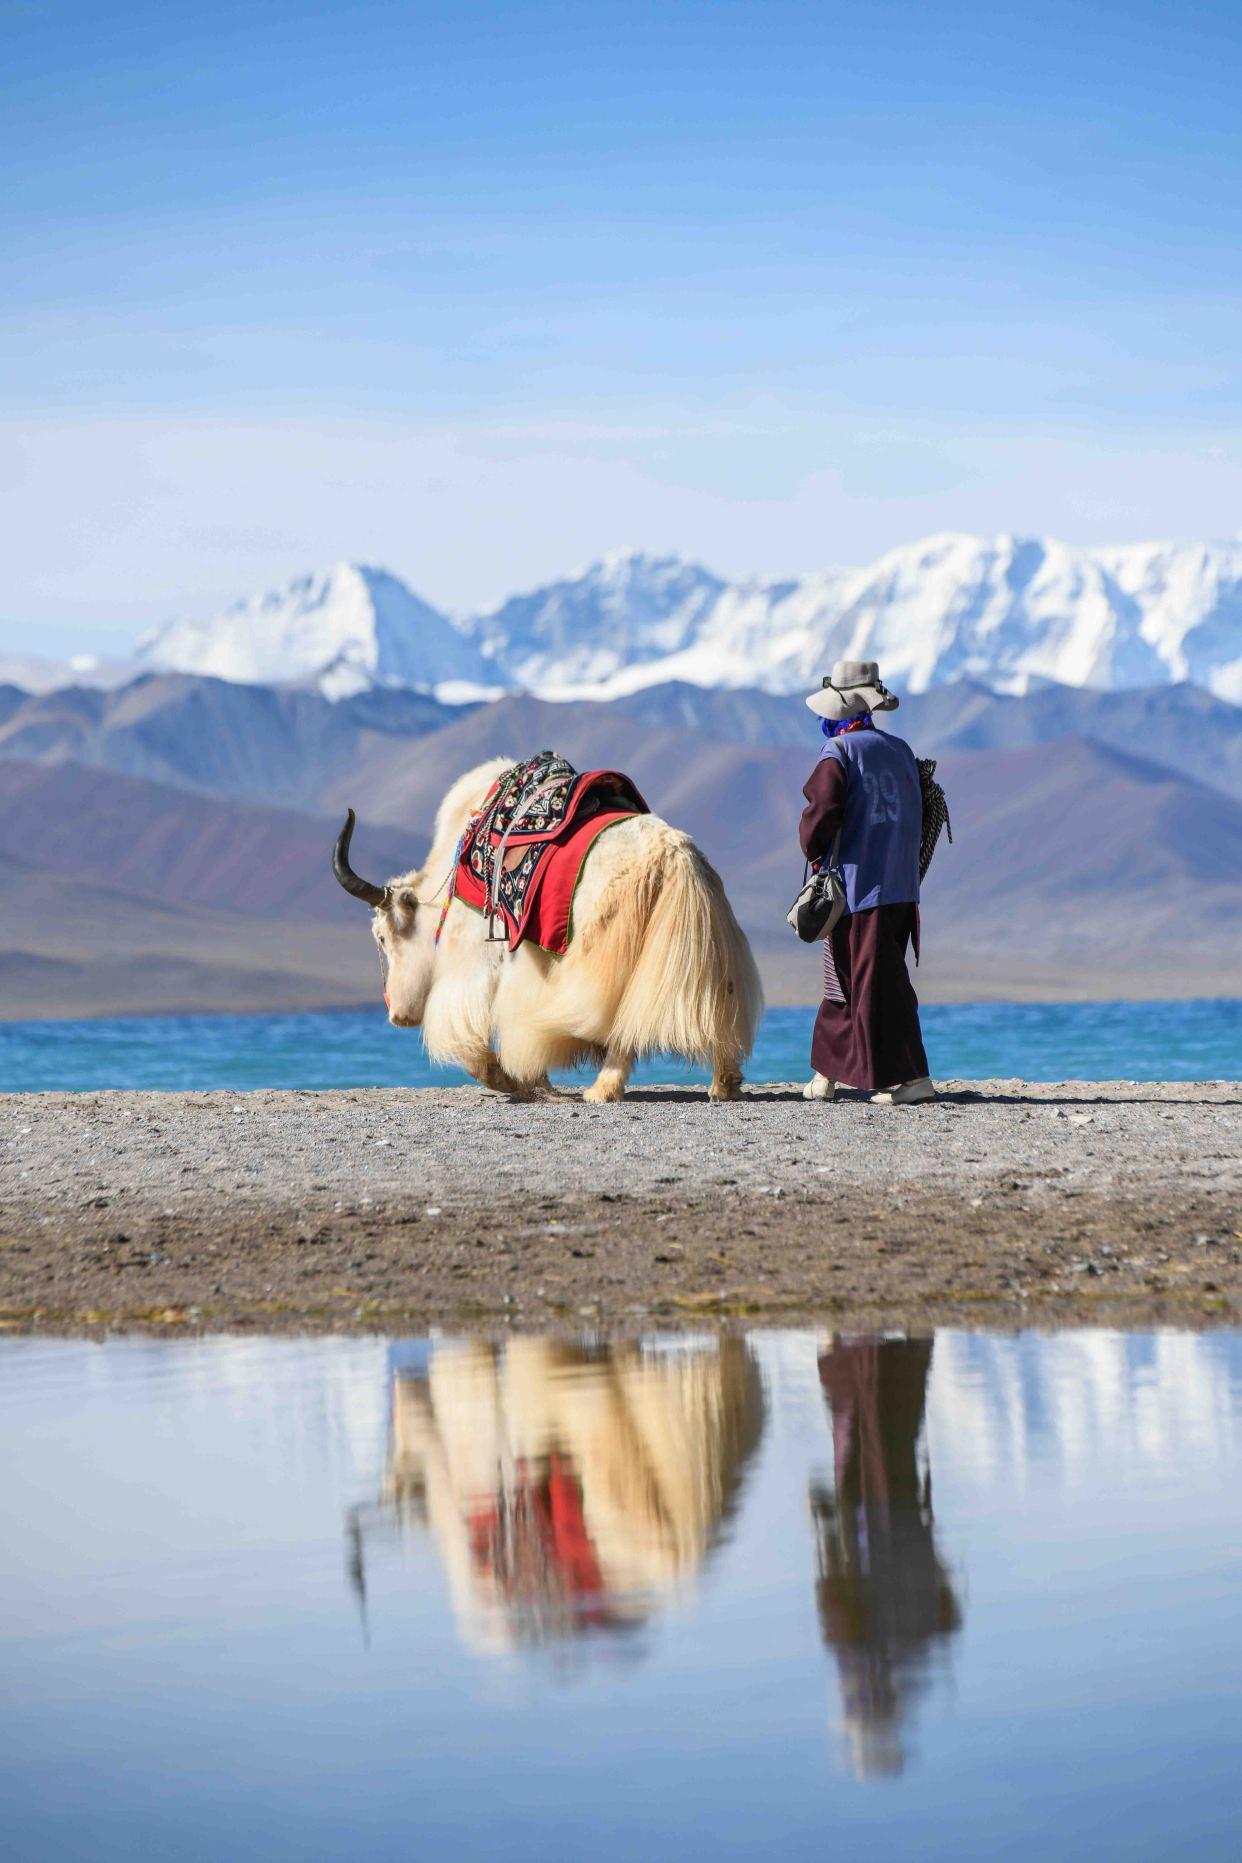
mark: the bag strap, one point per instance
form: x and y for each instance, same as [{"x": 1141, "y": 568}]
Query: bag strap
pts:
[{"x": 833, "y": 860}]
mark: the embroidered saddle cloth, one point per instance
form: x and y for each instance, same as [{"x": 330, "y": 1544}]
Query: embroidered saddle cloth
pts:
[{"x": 522, "y": 852}]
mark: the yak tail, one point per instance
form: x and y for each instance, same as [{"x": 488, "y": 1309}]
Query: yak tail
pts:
[{"x": 693, "y": 987}]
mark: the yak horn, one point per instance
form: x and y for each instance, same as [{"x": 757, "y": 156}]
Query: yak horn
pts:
[{"x": 361, "y": 889}]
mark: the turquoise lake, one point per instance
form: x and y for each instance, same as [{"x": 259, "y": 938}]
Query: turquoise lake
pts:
[{"x": 358, "y": 1048}]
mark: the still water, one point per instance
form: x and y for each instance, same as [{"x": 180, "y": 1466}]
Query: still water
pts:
[
  {"x": 788, "y": 1595},
  {"x": 358, "y": 1048}
]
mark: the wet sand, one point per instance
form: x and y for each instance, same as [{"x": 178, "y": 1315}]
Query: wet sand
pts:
[{"x": 1002, "y": 1204}]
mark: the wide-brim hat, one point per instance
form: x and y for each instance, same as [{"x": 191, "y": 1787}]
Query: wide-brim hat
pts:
[{"x": 853, "y": 688}]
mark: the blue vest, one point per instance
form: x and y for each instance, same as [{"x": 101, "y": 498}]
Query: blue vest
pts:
[{"x": 883, "y": 819}]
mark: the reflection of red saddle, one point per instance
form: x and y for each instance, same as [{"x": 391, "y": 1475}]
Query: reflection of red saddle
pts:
[
  {"x": 522, "y": 853},
  {"x": 531, "y": 1541}
]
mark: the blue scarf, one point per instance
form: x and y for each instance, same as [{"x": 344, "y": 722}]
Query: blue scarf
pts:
[{"x": 837, "y": 727}]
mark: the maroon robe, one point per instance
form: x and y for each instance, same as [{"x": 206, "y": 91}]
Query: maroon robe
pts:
[{"x": 872, "y": 1039}]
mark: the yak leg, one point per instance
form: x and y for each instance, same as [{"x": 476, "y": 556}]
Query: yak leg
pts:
[
  {"x": 609, "y": 1083},
  {"x": 541, "y": 1089},
  {"x": 726, "y": 1076},
  {"x": 488, "y": 1071},
  {"x": 482, "y": 1063}
]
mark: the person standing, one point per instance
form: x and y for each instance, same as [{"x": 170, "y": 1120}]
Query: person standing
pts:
[{"x": 865, "y": 789}]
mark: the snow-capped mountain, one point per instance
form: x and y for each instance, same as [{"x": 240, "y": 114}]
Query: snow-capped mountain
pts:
[
  {"x": 344, "y": 630},
  {"x": 624, "y": 614},
  {"x": 1004, "y": 611}
]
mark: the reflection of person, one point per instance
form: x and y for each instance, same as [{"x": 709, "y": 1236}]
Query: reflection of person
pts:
[
  {"x": 865, "y": 788},
  {"x": 884, "y": 1597},
  {"x": 566, "y": 1487}
]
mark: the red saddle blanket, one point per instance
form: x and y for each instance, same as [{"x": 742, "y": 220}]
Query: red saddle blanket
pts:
[{"x": 523, "y": 849}]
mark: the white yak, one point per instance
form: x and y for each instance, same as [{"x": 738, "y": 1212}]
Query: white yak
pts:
[{"x": 656, "y": 961}]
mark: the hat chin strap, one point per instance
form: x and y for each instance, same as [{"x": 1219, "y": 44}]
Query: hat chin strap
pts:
[{"x": 862, "y": 685}]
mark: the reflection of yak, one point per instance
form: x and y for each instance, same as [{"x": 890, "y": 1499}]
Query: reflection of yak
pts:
[
  {"x": 566, "y": 1487},
  {"x": 884, "y": 1597}
]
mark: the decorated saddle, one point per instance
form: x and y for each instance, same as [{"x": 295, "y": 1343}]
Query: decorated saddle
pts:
[{"x": 522, "y": 852}]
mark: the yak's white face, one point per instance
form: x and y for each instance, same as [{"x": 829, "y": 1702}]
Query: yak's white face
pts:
[
  {"x": 405, "y": 933},
  {"x": 405, "y": 914}
]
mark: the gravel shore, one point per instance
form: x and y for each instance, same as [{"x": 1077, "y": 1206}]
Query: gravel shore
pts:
[{"x": 1002, "y": 1203}]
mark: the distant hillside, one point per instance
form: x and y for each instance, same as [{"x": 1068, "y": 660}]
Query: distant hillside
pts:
[
  {"x": 1181, "y": 726},
  {"x": 122, "y": 896},
  {"x": 1085, "y": 872},
  {"x": 270, "y": 744},
  {"x": 1079, "y": 868},
  {"x": 298, "y": 749}
]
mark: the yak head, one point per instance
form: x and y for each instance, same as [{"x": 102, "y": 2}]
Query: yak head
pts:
[{"x": 404, "y": 929}]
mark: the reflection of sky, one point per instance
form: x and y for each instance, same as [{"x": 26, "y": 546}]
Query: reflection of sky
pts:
[{"x": 176, "y": 1621}]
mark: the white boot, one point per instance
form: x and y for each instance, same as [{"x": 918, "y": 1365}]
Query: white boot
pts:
[
  {"x": 819, "y": 1087},
  {"x": 913, "y": 1093}
]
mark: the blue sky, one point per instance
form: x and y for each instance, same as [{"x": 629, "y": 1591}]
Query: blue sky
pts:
[{"x": 481, "y": 291}]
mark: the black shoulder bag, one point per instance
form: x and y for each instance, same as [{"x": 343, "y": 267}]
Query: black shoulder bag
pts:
[{"x": 816, "y": 910}]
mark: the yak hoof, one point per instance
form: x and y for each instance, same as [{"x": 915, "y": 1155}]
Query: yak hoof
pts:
[{"x": 727, "y": 1087}]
